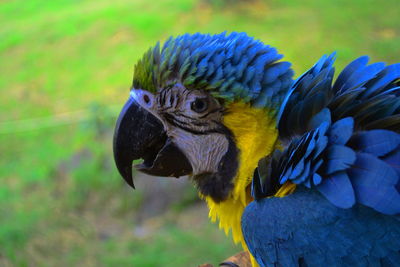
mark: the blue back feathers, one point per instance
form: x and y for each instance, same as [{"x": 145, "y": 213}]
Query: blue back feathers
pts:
[{"x": 305, "y": 229}]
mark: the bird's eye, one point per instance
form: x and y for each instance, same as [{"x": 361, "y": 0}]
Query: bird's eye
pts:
[{"x": 199, "y": 105}]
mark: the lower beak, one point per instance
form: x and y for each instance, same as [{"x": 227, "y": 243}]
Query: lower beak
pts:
[{"x": 140, "y": 135}]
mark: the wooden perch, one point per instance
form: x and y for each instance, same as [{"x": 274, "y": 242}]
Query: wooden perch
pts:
[{"x": 241, "y": 259}]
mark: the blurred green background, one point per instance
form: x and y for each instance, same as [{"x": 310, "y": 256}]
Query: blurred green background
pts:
[{"x": 65, "y": 71}]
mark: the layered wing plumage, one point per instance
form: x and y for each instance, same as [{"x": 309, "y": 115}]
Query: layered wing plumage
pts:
[
  {"x": 340, "y": 140},
  {"x": 305, "y": 229}
]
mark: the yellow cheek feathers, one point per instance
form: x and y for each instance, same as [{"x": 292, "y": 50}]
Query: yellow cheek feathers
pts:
[{"x": 255, "y": 136}]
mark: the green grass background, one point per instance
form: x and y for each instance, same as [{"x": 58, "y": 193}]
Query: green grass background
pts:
[{"x": 65, "y": 71}]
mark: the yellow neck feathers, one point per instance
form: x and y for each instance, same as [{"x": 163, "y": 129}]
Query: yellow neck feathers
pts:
[{"x": 255, "y": 136}]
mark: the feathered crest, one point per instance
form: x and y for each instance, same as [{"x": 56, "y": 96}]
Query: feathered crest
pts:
[{"x": 233, "y": 66}]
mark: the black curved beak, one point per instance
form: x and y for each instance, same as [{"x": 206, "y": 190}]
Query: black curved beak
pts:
[{"x": 140, "y": 135}]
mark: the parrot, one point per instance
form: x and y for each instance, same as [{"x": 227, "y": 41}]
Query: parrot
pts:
[{"x": 300, "y": 172}]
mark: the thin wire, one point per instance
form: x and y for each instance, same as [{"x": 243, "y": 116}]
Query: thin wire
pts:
[{"x": 17, "y": 126}]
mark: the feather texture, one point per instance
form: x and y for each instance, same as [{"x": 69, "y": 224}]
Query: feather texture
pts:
[
  {"x": 305, "y": 229},
  {"x": 332, "y": 144},
  {"x": 232, "y": 67},
  {"x": 341, "y": 147}
]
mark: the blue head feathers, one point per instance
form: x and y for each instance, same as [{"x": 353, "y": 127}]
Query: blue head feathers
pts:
[{"x": 232, "y": 67}]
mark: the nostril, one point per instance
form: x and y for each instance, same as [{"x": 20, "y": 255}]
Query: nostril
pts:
[{"x": 146, "y": 99}]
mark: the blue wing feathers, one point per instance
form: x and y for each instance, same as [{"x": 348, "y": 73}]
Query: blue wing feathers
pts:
[
  {"x": 323, "y": 116},
  {"x": 374, "y": 183},
  {"x": 367, "y": 160},
  {"x": 306, "y": 228},
  {"x": 338, "y": 158},
  {"x": 384, "y": 78},
  {"x": 342, "y": 148},
  {"x": 376, "y": 142},
  {"x": 338, "y": 190},
  {"x": 348, "y": 71},
  {"x": 361, "y": 76},
  {"x": 360, "y": 115},
  {"x": 393, "y": 159},
  {"x": 341, "y": 131}
]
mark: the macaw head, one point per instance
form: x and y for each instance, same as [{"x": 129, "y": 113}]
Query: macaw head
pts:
[{"x": 198, "y": 106}]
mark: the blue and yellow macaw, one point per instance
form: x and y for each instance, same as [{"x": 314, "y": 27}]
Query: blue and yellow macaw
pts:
[{"x": 303, "y": 173}]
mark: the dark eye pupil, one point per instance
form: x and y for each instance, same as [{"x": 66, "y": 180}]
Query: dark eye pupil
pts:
[{"x": 199, "y": 105}]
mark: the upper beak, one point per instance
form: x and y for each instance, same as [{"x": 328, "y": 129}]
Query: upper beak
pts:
[{"x": 140, "y": 134}]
